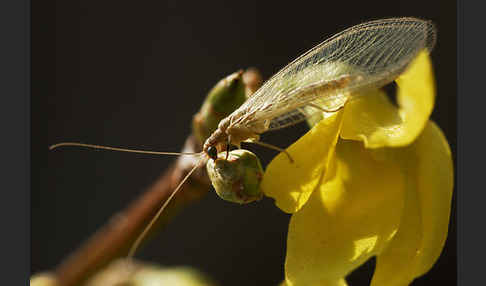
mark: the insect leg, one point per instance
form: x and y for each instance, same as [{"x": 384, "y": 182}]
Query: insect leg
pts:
[
  {"x": 326, "y": 110},
  {"x": 227, "y": 147},
  {"x": 270, "y": 146}
]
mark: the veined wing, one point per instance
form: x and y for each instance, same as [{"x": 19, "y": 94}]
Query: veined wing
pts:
[{"x": 371, "y": 54}]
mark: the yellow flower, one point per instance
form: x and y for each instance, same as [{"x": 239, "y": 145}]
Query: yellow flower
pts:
[{"x": 369, "y": 180}]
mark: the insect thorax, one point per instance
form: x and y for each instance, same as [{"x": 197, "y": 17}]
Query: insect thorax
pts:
[{"x": 233, "y": 133}]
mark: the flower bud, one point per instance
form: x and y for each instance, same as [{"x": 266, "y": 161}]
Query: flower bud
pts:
[
  {"x": 182, "y": 276},
  {"x": 135, "y": 273},
  {"x": 224, "y": 98},
  {"x": 236, "y": 179},
  {"x": 43, "y": 279}
]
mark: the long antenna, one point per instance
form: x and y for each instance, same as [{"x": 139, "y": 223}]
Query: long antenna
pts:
[
  {"x": 76, "y": 144},
  {"x": 139, "y": 239}
]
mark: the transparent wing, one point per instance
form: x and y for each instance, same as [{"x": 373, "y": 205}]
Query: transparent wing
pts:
[
  {"x": 368, "y": 55},
  {"x": 314, "y": 108}
]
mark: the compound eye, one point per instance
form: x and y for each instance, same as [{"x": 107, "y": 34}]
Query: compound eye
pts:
[{"x": 213, "y": 152}]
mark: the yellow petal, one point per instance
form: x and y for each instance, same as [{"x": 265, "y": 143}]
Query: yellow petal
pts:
[
  {"x": 291, "y": 183},
  {"x": 338, "y": 282},
  {"x": 350, "y": 218},
  {"x": 375, "y": 121},
  {"x": 417, "y": 245}
]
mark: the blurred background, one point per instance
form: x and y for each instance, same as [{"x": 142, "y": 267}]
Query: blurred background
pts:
[{"x": 134, "y": 74}]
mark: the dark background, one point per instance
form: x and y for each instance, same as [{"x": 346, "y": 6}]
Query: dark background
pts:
[{"x": 133, "y": 75}]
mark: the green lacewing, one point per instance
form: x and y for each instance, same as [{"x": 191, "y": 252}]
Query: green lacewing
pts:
[{"x": 368, "y": 55}]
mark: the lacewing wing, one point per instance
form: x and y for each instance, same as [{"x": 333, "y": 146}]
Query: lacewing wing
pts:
[{"x": 368, "y": 55}]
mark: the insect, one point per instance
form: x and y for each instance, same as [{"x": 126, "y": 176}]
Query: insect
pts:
[{"x": 369, "y": 55}]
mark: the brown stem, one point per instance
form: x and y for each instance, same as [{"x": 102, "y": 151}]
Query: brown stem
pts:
[{"x": 114, "y": 239}]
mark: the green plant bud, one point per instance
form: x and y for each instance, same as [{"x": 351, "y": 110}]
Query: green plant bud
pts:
[
  {"x": 226, "y": 96},
  {"x": 135, "y": 273},
  {"x": 182, "y": 276},
  {"x": 42, "y": 279},
  {"x": 238, "y": 178}
]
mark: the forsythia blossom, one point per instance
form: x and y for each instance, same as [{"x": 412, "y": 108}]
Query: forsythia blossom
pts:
[{"x": 369, "y": 180}]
